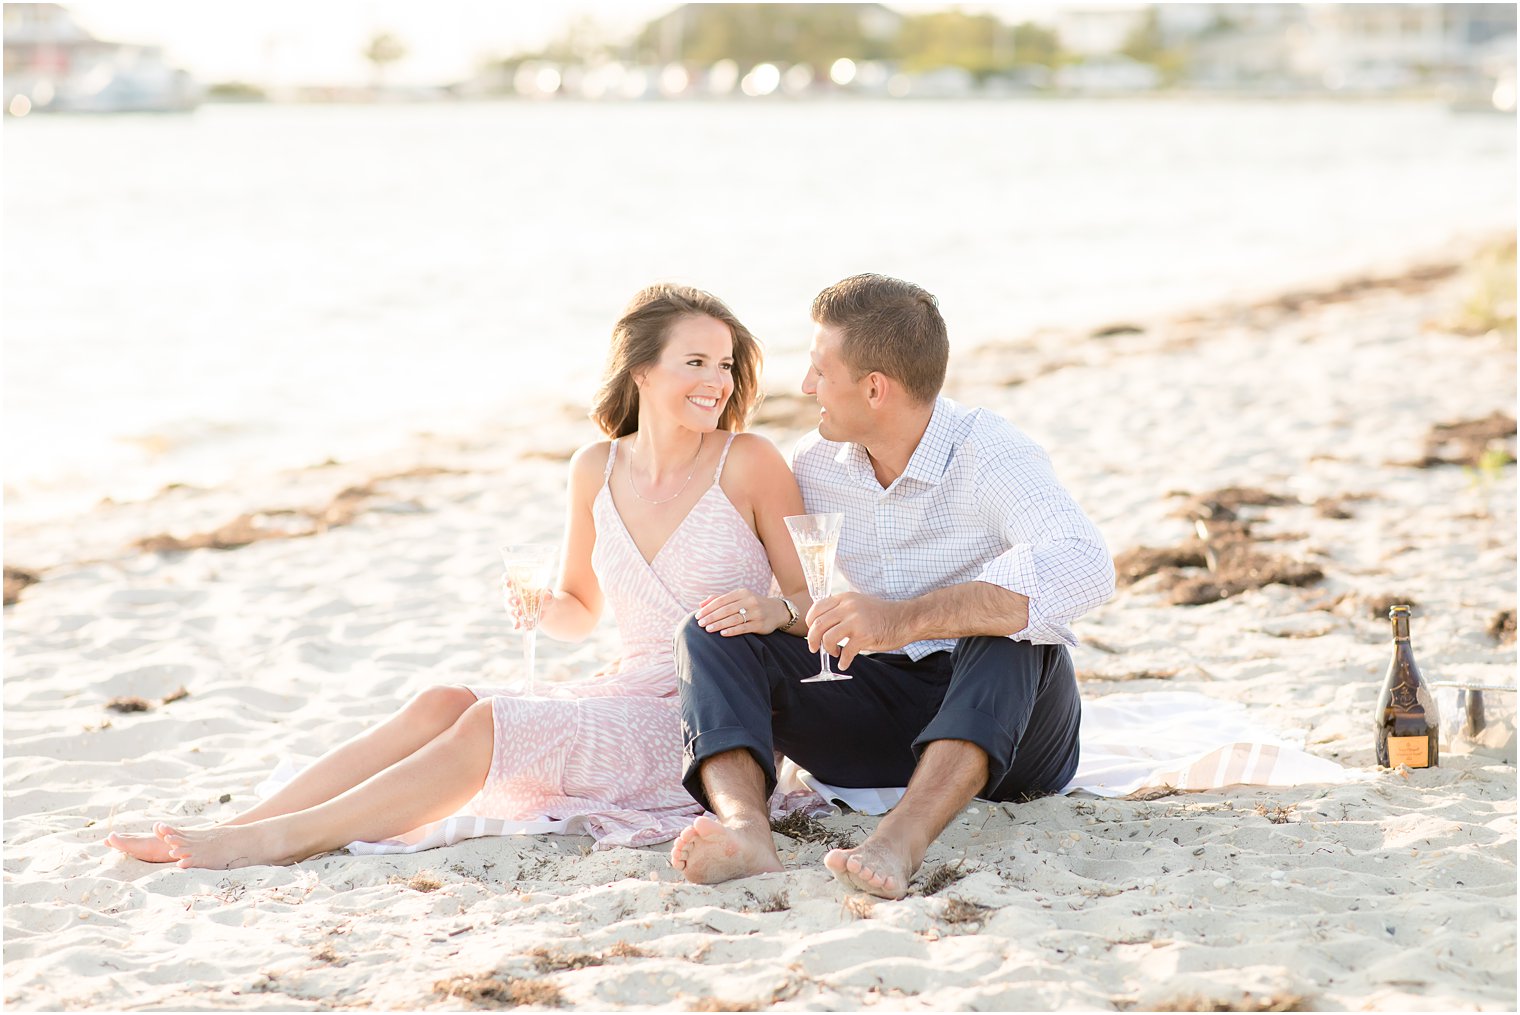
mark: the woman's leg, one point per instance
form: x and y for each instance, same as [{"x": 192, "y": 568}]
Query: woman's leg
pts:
[
  {"x": 427, "y": 785},
  {"x": 344, "y": 767}
]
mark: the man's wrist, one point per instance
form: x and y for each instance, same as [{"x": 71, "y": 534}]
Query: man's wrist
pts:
[{"x": 905, "y": 619}]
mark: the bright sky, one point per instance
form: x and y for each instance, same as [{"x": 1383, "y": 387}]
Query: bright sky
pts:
[{"x": 300, "y": 41}]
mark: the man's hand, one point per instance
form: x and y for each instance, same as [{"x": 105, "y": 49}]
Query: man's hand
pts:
[
  {"x": 862, "y": 623},
  {"x": 885, "y": 625}
]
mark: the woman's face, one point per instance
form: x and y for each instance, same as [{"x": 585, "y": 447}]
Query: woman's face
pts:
[{"x": 692, "y": 380}]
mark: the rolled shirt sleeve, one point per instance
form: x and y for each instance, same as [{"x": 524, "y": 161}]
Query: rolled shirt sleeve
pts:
[{"x": 1056, "y": 557}]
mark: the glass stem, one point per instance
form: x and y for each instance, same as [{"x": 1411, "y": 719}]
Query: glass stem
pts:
[
  {"x": 530, "y": 643},
  {"x": 823, "y": 659}
]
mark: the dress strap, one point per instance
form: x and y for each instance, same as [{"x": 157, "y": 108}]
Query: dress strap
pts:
[
  {"x": 611, "y": 457},
  {"x": 718, "y": 472}
]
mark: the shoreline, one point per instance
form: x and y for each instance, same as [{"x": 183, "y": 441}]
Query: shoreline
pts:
[{"x": 1395, "y": 893}]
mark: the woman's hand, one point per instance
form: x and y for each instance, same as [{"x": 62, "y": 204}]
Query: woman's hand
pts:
[
  {"x": 522, "y": 620},
  {"x": 741, "y": 612}
]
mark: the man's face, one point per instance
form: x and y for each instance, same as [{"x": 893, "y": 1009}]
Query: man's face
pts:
[{"x": 844, "y": 414}]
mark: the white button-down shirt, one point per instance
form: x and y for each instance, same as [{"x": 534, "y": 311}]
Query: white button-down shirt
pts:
[{"x": 978, "y": 501}]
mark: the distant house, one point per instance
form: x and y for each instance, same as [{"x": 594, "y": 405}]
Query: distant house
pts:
[
  {"x": 1368, "y": 45},
  {"x": 1112, "y": 74},
  {"x": 1098, "y": 31},
  {"x": 1238, "y": 45},
  {"x": 52, "y": 64}
]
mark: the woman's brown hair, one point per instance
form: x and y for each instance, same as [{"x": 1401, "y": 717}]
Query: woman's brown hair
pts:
[{"x": 638, "y": 338}]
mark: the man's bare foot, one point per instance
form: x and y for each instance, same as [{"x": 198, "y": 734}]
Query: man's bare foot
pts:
[
  {"x": 709, "y": 852},
  {"x": 148, "y": 848},
  {"x": 226, "y": 846},
  {"x": 880, "y": 867}
]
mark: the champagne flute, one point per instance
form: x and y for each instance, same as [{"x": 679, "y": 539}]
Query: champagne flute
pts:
[
  {"x": 817, "y": 538},
  {"x": 529, "y": 572}
]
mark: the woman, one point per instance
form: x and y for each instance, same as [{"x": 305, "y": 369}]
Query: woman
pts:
[{"x": 676, "y": 514}]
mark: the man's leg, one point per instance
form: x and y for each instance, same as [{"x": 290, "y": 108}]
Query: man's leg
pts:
[
  {"x": 739, "y": 843},
  {"x": 1007, "y": 726},
  {"x": 741, "y": 699},
  {"x": 949, "y": 774},
  {"x": 728, "y": 689}
]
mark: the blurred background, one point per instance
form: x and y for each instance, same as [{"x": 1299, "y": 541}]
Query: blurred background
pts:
[{"x": 242, "y": 237}]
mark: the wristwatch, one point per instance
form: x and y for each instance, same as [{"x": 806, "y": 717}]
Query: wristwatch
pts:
[{"x": 791, "y": 612}]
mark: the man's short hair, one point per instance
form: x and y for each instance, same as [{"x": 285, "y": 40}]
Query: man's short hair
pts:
[{"x": 889, "y": 326}]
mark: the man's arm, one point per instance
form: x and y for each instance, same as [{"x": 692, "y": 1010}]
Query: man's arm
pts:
[
  {"x": 1056, "y": 557},
  {"x": 1056, "y": 568},
  {"x": 881, "y": 625}
]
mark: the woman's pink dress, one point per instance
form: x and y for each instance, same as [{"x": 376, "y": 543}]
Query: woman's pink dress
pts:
[{"x": 603, "y": 757}]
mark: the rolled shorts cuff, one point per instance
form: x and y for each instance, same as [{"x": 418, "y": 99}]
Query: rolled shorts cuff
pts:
[
  {"x": 719, "y": 741},
  {"x": 978, "y": 728}
]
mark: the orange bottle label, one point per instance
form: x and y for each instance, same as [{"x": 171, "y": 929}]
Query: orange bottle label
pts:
[{"x": 1411, "y": 751}]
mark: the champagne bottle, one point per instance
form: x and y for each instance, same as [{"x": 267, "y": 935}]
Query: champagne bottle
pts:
[{"x": 1407, "y": 724}]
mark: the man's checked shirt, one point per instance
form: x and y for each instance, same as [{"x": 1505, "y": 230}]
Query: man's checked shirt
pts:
[{"x": 977, "y": 502}]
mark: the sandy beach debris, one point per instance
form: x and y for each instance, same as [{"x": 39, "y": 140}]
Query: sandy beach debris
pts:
[
  {"x": 16, "y": 581},
  {"x": 287, "y": 523},
  {"x": 1475, "y": 443},
  {"x": 1224, "y": 546}
]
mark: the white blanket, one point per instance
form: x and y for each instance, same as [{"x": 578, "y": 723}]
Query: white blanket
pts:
[
  {"x": 1152, "y": 739},
  {"x": 1128, "y": 741}
]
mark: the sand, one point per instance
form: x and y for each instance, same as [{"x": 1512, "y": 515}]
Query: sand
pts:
[{"x": 1396, "y": 893}]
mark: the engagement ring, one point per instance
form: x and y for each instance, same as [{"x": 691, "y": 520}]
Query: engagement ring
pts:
[{"x": 743, "y": 613}]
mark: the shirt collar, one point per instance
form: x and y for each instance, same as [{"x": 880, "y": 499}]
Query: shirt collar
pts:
[
  {"x": 856, "y": 464},
  {"x": 932, "y": 456},
  {"x": 929, "y": 460}
]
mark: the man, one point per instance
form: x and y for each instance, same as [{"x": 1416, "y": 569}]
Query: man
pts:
[{"x": 967, "y": 561}]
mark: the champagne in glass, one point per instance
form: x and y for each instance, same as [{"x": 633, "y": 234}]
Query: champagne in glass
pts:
[
  {"x": 529, "y": 572},
  {"x": 817, "y": 538}
]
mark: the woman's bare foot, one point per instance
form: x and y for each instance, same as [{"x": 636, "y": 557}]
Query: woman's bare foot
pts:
[
  {"x": 880, "y": 867},
  {"x": 223, "y": 847},
  {"x": 709, "y": 852},
  {"x": 148, "y": 848}
]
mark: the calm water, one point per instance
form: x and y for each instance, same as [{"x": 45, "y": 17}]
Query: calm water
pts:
[{"x": 254, "y": 287}]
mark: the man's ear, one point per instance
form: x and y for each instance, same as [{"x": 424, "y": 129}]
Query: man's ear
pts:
[{"x": 879, "y": 387}]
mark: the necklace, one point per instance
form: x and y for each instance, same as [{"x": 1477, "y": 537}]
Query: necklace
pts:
[{"x": 635, "y": 486}]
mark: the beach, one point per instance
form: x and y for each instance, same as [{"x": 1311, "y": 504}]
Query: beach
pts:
[{"x": 350, "y": 586}]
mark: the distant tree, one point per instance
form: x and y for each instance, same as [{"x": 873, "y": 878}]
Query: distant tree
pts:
[
  {"x": 979, "y": 43},
  {"x": 816, "y": 34},
  {"x": 582, "y": 41},
  {"x": 234, "y": 91},
  {"x": 974, "y": 42},
  {"x": 383, "y": 50},
  {"x": 1147, "y": 45},
  {"x": 1035, "y": 44}
]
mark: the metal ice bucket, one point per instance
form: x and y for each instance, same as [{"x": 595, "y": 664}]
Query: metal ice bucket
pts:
[{"x": 1477, "y": 718}]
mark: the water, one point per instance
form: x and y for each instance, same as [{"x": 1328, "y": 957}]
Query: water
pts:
[{"x": 193, "y": 297}]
